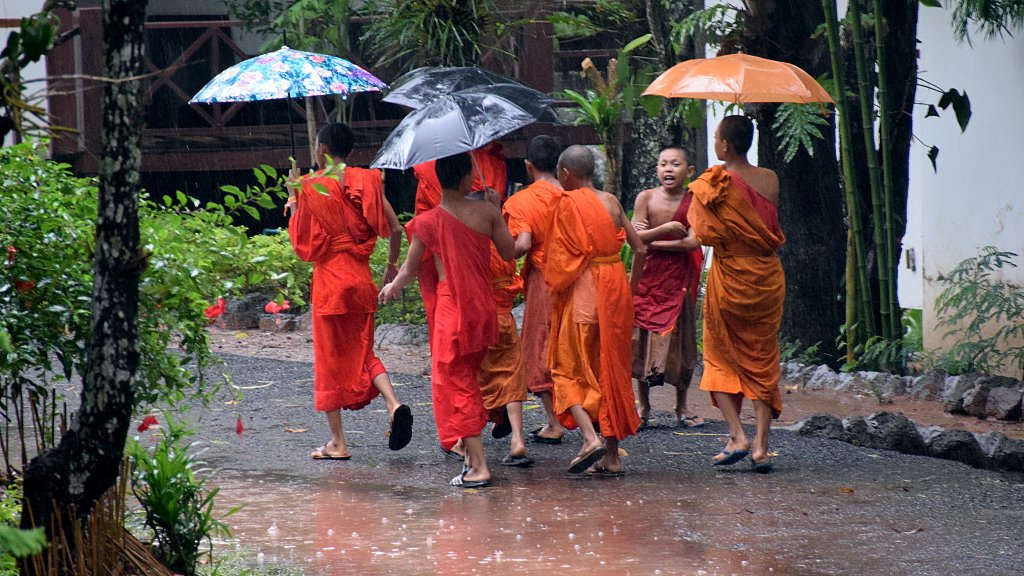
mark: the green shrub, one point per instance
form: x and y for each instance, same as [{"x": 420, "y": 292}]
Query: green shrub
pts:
[
  {"x": 15, "y": 543},
  {"x": 983, "y": 314},
  {"x": 177, "y": 505}
]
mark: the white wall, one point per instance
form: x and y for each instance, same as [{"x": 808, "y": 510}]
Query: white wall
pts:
[
  {"x": 19, "y": 9},
  {"x": 975, "y": 198}
]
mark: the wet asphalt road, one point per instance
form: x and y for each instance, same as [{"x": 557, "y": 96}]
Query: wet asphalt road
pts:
[{"x": 828, "y": 508}]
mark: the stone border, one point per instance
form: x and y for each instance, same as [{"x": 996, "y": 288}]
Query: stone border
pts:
[
  {"x": 889, "y": 431},
  {"x": 978, "y": 395}
]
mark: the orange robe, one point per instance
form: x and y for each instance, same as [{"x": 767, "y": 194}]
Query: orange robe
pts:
[
  {"x": 337, "y": 232},
  {"x": 490, "y": 161},
  {"x": 529, "y": 210},
  {"x": 590, "y": 352},
  {"x": 746, "y": 287},
  {"x": 462, "y": 319},
  {"x": 501, "y": 372}
]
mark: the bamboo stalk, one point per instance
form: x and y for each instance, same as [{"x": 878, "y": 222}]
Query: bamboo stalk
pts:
[
  {"x": 877, "y": 214},
  {"x": 884, "y": 131},
  {"x": 859, "y": 280}
]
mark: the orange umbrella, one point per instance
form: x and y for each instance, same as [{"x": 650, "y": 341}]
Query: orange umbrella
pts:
[{"x": 739, "y": 78}]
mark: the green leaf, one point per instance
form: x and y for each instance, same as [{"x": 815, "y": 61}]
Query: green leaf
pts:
[
  {"x": 22, "y": 543},
  {"x": 251, "y": 211},
  {"x": 636, "y": 43},
  {"x": 931, "y": 3},
  {"x": 266, "y": 202},
  {"x": 182, "y": 199},
  {"x": 651, "y": 105},
  {"x": 962, "y": 108},
  {"x": 269, "y": 170},
  {"x": 260, "y": 176}
]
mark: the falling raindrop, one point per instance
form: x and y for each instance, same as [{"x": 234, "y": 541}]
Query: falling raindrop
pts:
[
  {"x": 383, "y": 520},
  {"x": 355, "y": 534},
  {"x": 572, "y": 536},
  {"x": 519, "y": 537},
  {"x": 330, "y": 531},
  {"x": 576, "y": 548},
  {"x": 600, "y": 534}
]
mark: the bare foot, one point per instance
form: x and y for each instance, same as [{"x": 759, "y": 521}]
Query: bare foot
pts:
[{"x": 475, "y": 475}]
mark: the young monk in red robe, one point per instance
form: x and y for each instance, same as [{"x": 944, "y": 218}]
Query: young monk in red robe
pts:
[
  {"x": 665, "y": 298},
  {"x": 456, "y": 237},
  {"x": 339, "y": 214},
  {"x": 488, "y": 161},
  {"x": 528, "y": 214},
  {"x": 501, "y": 374},
  {"x": 734, "y": 211},
  {"x": 592, "y": 314}
]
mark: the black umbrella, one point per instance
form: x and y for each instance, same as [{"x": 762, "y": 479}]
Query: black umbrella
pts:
[
  {"x": 462, "y": 121},
  {"x": 419, "y": 87}
]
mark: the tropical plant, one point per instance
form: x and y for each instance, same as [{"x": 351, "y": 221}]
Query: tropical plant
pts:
[
  {"x": 983, "y": 315},
  {"x": 405, "y": 34},
  {"x": 603, "y": 106},
  {"x": 15, "y": 543},
  {"x": 991, "y": 17},
  {"x": 601, "y": 16},
  {"x": 796, "y": 125},
  {"x": 35, "y": 36},
  {"x": 177, "y": 504}
]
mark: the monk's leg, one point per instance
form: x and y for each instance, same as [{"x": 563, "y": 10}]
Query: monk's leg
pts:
[
  {"x": 590, "y": 438},
  {"x": 729, "y": 405},
  {"x": 552, "y": 429},
  {"x": 382, "y": 382},
  {"x": 611, "y": 461},
  {"x": 336, "y": 447},
  {"x": 641, "y": 369},
  {"x": 516, "y": 445},
  {"x": 475, "y": 459},
  {"x": 763, "y": 411}
]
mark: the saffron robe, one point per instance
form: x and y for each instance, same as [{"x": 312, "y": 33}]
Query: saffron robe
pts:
[
  {"x": 592, "y": 316},
  {"x": 462, "y": 319},
  {"x": 501, "y": 372},
  {"x": 530, "y": 210},
  {"x": 664, "y": 342},
  {"x": 491, "y": 163},
  {"x": 745, "y": 290},
  {"x": 337, "y": 232}
]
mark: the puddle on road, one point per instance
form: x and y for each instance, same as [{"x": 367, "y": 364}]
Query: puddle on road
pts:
[{"x": 344, "y": 526}]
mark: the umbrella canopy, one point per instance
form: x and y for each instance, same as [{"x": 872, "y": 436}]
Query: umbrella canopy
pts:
[
  {"x": 419, "y": 87},
  {"x": 460, "y": 122},
  {"x": 739, "y": 78},
  {"x": 287, "y": 73}
]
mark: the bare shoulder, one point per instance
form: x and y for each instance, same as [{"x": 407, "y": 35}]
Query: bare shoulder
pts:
[
  {"x": 645, "y": 196},
  {"x": 769, "y": 184}
]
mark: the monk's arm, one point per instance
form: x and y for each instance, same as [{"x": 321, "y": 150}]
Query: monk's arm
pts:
[
  {"x": 503, "y": 241},
  {"x": 405, "y": 275},
  {"x": 394, "y": 243},
  {"x": 678, "y": 245},
  {"x": 642, "y": 223},
  {"x": 524, "y": 241}
]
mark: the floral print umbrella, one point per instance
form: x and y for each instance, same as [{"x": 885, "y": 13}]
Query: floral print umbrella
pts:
[{"x": 287, "y": 73}]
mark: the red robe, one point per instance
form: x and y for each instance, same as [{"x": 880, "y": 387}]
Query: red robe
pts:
[
  {"x": 530, "y": 210},
  {"x": 746, "y": 287},
  {"x": 462, "y": 318},
  {"x": 490, "y": 161},
  {"x": 665, "y": 282},
  {"x": 590, "y": 353},
  {"x": 337, "y": 232}
]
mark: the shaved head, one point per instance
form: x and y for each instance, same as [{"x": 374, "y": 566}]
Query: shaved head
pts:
[{"x": 578, "y": 160}]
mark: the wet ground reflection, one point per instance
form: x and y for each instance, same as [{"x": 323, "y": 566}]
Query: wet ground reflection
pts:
[{"x": 595, "y": 526}]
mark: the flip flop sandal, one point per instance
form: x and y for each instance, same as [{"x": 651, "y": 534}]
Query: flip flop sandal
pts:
[
  {"x": 536, "y": 438},
  {"x": 602, "y": 472},
  {"x": 762, "y": 467},
  {"x": 584, "y": 461},
  {"x": 460, "y": 482},
  {"x": 517, "y": 461},
  {"x": 691, "y": 422},
  {"x": 730, "y": 457},
  {"x": 321, "y": 454},
  {"x": 400, "y": 432},
  {"x": 453, "y": 455}
]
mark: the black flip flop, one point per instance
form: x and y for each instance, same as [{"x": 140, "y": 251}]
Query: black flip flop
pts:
[
  {"x": 460, "y": 482},
  {"x": 584, "y": 461},
  {"x": 517, "y": 461},
  {"x": 538, "y": 439},
  {"x": 401, "y": 428}
]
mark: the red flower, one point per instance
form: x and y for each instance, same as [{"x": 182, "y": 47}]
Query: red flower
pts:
[
  {"x": 238, "y": 426},
  {"x": 24, "y": 286},
  {"x": 147, "y": 422},
  {"x": 11, "y": 251},
  {"x": 214, "y": 312},
  {"x": 273, "y": 307}
]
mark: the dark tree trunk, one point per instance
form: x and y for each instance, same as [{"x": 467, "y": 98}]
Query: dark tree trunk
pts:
[
  {"x": 810, "y": 202},
  {"x": 86, "y": 462},
  {"x": 649, "y": 135}
]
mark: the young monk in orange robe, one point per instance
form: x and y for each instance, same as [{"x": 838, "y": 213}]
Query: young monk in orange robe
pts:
[
  {"x": 734, "y": 211},
  {"x": 339, "y": 215},
  {"x": 502, "y": 381},
  {"x": 456, "y": 238},
  {"x": 665, "y": 298},
  {"x": 592, "y": 314},
  {"x": 501, "y": 375},
  {"x": 528, "y": 214}
]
